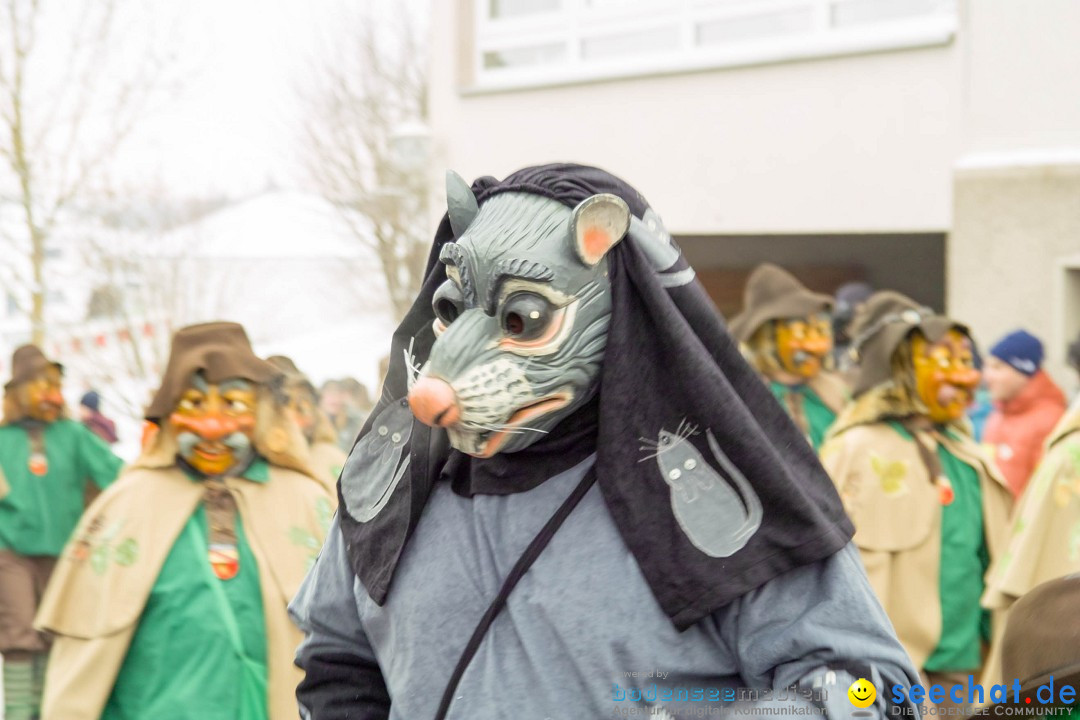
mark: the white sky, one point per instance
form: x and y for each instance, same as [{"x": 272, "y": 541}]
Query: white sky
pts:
[{"x": 236, "y": 124}]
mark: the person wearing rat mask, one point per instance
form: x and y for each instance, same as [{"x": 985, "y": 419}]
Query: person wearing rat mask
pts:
[
  {"x": 786, "y": 333},
  {"x": 46, "y": 463},
  {"x": 929, "y": 508},
  {"x": 573, "y": 475},
  {"x": 327, "y": 458},
  {"x": 170, "y": 599}
]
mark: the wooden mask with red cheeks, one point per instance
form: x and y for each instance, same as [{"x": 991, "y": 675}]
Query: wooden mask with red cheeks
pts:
[
  {"x": 803, "y": 344},
  {"x": 945, "y": 374},
  {"x": 215, "y": 424},
  {"x": 41, "y": 397}
]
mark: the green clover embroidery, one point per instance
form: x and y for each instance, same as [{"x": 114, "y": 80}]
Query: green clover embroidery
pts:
[
  {"x": 1074, "y": 542},
  {"x": 1074, "y": 455},
  {"x": 322, "y": 509},
  {"x": 126, "y": 552},
  {"x": 99, "y": 559},
  {"x": 101, "y": 550},
  {"x": 303, "y": 538}
]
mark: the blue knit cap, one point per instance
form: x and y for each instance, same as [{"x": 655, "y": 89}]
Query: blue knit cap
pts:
[
  {"x": 1021, "y": 350},
  {"x": 91, "y": 400}
]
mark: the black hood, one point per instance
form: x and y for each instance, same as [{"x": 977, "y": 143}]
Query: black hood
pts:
[{"x": 712, "y": 487}]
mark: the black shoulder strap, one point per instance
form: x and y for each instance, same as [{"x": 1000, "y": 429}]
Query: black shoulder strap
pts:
[{"x": 520, "y": 568}]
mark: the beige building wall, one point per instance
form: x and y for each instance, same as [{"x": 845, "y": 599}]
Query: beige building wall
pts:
[{"x": 1017, "y": 229}]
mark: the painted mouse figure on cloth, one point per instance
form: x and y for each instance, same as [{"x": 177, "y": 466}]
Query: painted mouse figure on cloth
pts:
[{"x": 566, "y": 411}]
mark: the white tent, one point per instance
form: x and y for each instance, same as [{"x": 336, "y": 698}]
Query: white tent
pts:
[{"x": 291, "y": 269}]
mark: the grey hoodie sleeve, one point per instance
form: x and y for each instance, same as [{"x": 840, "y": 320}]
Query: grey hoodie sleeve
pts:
[
  {"x": 342, "y": 677},
  {"x": 819, "y": 627}
]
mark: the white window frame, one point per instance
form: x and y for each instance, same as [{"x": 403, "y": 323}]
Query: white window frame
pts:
[{"x": 579, "y": 20}]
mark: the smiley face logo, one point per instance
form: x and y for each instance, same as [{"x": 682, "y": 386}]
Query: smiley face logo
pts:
[{"x": 862, "y": 693}]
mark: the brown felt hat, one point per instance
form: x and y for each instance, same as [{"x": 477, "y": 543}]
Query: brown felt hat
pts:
[
  {"x": 220, "y": 350},
  {"x": 293, "y": 376},
  {"x": 26, "y": 363},
  {"x": 285, "y": 364},
  {"x": 1042, "y": 637},
  {"x": 773, "y": 293},
  {"x": 884, "y": 322}
]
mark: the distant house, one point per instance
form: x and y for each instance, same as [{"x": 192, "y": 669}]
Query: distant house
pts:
[
  {"x": 285, "y": 264},
  {"x": 290, "y": 268},
  {"x": 932, "y": 146}
]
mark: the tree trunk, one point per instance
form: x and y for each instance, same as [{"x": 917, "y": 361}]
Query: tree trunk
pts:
[{"x": 37, "y": 307}]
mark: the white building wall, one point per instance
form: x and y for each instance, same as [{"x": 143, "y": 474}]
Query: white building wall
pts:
[
  {"x": 1020, "y": 90},
  {"x": 978, "y": 137},
  {"x": 1014, "y": 249},
  {"x": 859, "y": 143}
]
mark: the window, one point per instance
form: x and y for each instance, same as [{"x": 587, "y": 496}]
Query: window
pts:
[
  {"x": 732, "y": 30},
  {"x": 664, "y": 38},
  {"x": 522, "y": 43},
  {"x": 517, "y": 8},
  {"x": 528, "y": 55}
]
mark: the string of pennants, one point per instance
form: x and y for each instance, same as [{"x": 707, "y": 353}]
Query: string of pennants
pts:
[
  {"x": 79, "y": 344},
  {"x": 82, "y": 341}
]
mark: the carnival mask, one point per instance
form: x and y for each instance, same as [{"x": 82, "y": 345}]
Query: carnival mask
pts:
[
  {"x": 803, "y": 344},
  {"x": 945, "y": 374},
  {"x": 215, "y": 424},
  {"x": 521, "y": 322},
  {"x": 302, "y": 410},
  {"x": 41, "y": 397}
]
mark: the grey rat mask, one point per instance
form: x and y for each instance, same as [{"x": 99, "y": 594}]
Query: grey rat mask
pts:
[
  {"x": 540, "y": 309},
  {"x": 522, "y": 320}
]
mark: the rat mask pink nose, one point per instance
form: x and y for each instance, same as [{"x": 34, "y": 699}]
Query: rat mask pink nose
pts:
[{"x": 433, "y": 402}]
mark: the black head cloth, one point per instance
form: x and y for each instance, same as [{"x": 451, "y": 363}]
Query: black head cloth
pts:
[{"x": 712, "y": 487}]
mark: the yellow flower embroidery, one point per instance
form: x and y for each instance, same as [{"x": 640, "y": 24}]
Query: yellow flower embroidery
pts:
[
  {"x": 1062, "y": 493},
  {"x": 891, "y": 474}
]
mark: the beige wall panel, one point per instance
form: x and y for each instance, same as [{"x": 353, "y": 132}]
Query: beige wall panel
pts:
[{"x": 1013, "y": 230}]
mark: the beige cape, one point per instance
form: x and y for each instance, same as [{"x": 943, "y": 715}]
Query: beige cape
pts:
[
  {"x": 104, "y": 577},
  {"x": 896, "y": 510},
  {"x": 1044, "y": 541},
  {"x": 327, "y": 459}
]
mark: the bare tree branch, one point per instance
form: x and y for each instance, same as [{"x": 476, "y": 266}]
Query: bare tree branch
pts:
[
  {"x": 59, "y": 133},
  {"x": 368, "y": 90}
]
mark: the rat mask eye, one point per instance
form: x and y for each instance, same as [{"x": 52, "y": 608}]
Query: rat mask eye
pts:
[
  {"x": 526, "y": 316},
  {"x": 448, "y": 302}
]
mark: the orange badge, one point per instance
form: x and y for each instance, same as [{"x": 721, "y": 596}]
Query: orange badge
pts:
[
  {"x": 38, "y": 464},
  {"x": 225, "y": 561},
  {"x": 945, "y": 490}
]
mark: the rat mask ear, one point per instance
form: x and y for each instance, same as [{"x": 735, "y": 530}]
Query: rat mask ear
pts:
[
  {"x": 460, "y": 203},
  {"x": 597, "y": 225}
]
